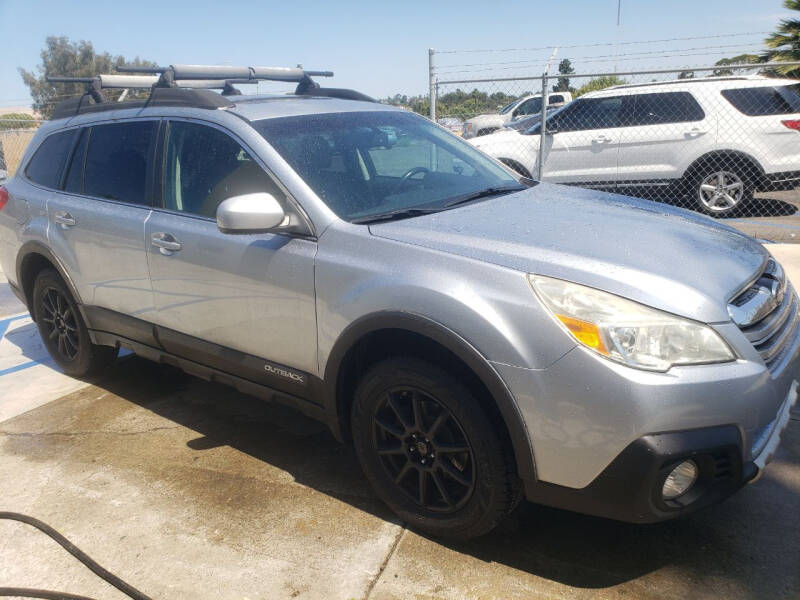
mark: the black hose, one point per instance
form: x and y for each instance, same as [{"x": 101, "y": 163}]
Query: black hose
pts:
[
  {"x": 87, "y": 560},
  {"x": 34, "y": 593}
]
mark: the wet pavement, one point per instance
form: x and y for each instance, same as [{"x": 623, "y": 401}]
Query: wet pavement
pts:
[{"x": 190, "y": 490}]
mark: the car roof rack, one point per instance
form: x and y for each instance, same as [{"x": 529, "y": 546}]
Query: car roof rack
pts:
[
  {"x": 691, "y": 80},
  {"x": 190, "y": 86}
]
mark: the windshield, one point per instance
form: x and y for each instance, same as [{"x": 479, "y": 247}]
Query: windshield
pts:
[
  {"x": 508, "y": 107},
  {"x": 370, "y": 163}
]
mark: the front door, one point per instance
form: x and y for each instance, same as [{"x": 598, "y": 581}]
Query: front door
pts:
[
  {"x": 585, "y": 144},
  {"x": 251, "y": 293}
]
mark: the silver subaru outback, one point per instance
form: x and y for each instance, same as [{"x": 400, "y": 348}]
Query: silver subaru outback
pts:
[{"x": 479, "y": 338}]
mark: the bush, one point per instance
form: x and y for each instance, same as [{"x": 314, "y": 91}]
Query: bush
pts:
[{"x": 17, "y": 121}]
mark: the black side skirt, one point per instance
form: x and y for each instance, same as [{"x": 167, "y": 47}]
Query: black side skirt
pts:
[{"x": 247, "y": 373}]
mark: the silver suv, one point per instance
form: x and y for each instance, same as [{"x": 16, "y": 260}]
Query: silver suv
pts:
[{"x": 479, "y": 337}]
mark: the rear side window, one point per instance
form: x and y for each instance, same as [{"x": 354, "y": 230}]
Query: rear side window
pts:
[
  {"x": 763, "y": 101},
  {"x": 116, "y": 161},
  {"x": 47, "y": 164},
  {"x": 668, "y": 107}
]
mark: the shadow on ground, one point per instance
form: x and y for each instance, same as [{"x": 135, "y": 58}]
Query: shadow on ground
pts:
[
  {"x": 750, "y": 540},
  {"x": 766, "y": 204}
]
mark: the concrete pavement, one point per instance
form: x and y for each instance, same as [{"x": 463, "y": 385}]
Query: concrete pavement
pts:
[{"x": 189, "y": 490}]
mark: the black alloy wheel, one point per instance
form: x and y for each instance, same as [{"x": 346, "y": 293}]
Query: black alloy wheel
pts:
[
  {"x": 424, "y": 450},
  {"x": 59, "y": 324}
]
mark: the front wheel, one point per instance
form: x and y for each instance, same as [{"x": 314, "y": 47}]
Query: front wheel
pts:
[
  {"x": 720, "y": 189},
  {"x": 62, "y": 329},
  {"x": 429, "y": 450}
]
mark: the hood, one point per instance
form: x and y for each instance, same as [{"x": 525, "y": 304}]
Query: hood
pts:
[
  {"x": 665, "y": 257},
  {"x": 487, "y": 119},
  {"x": 500, "y": 136}
]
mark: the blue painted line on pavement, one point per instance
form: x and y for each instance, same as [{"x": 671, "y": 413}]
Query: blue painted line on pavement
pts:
[
  {"x": 21, "y": 367},
  {"x": 4, "y": 323}
]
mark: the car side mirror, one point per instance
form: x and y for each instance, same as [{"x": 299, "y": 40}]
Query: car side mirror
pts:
[
  {"x": 250, "y": 213},
  {"x": 551, "y": 128}
]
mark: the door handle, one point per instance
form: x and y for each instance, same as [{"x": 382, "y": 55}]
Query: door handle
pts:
[
  {"x": 696, "y": 131},
  {"x": 64, "y": 219},
  {"x": 601, "y": 139},
  {"x": 166, "y": 243}
]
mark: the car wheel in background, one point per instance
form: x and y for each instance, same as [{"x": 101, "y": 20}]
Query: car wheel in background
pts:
[
  {"x": 721, "y": 188},
  {"x": 62, "y": 329},
  {"x": 430, "y": 452}
]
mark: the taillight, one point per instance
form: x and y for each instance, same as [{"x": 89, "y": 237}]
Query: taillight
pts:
[
  {"x": 792, "y": 124},
  {"x": 3, "y": 197}
]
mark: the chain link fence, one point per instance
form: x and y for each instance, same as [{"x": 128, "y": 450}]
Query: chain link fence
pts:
[
  {"x": 15, "y": 134},
  {"x": 719, "y": 139}
]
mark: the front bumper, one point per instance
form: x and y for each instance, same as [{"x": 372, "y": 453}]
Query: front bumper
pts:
[
  {"x": 629, "y": 489},
  {"x": 604, "y": 436}
]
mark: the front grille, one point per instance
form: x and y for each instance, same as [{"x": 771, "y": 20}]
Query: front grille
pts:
[{"x": 768, "y": 313}]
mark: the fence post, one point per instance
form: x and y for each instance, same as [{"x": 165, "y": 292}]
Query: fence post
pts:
[
  {"x": 542, "y": 130},
  {"x": 432, "y": 85}
]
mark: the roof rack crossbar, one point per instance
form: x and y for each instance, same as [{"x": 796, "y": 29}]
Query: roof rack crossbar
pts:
[{"x": 174, "y": 73}]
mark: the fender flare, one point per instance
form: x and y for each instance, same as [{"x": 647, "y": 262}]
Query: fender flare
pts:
[
  {"x": 461, "y": 348},
  {"x": 735, "y": 154},
  {"x": 34, "y": 247}
]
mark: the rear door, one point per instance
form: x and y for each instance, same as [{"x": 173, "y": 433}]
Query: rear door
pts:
[
  {"x": 97, "y": 220},
  {"x": 253, "y": 293},
  {"x": 667, "y": 131},
  {"x": 585, "y": 146}
]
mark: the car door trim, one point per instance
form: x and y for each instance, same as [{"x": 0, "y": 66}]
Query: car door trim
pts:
[{"x": 109, "y": 326}]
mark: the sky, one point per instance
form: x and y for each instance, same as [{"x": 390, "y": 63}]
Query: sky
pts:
[{"x": 381, "y": 47}]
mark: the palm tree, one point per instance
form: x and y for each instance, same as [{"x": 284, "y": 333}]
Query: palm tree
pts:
[{"x": 785, "y": 42}]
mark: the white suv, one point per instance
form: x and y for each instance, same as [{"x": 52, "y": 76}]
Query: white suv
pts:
[
  {"x": 523, "y": 106},
  {"x": 719, "y": 139}
]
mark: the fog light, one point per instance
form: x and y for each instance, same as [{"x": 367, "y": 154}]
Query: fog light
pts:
[{"x": 680, "y": 479}]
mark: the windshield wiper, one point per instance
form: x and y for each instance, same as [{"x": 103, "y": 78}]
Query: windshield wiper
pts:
[
  {"x": 484, "y": 193},
  {"x": 403, "y": 213}
]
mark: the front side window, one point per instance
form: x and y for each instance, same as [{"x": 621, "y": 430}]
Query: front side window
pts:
[
  {"x": 116, "y": 161},
  {"x": 205, "y": 166},
  {"x": 531, "y": 106},
  {"x": 363, "y": 164},
  {"x": 764, "y": 101},
  {"x": 46, "y": 166},
  {"x": 667, "y": 107},
  {"x": 590, "y": 113}
]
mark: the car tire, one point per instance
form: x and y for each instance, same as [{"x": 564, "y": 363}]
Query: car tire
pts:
[
  {"x": 722, "y": 187},
  {"x": 62, "y": 328},
  {"x": 430, "y": 451}
]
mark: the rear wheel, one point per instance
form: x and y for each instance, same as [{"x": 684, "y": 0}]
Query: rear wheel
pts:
[
  {"x": 429, "y": 450},
  {"x": 722, "y": 187},
  {"x": 62, "y": 329}
]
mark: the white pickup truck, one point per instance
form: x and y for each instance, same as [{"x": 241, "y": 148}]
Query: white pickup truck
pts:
[{"x": 521, "y": 107}]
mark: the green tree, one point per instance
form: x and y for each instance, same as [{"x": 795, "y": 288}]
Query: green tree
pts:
[
  {"x": 564, "y": 69},
  {"x": 63, "y": 58},
  {"x": 742, "y": 59},
  {"x": 784, "y": 44},
  {"x": 16, "y": 121},
  {"x": 600, "y": 83}
]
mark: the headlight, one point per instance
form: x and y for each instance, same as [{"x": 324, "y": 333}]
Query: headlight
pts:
[{"x": 626, "y": 331}]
